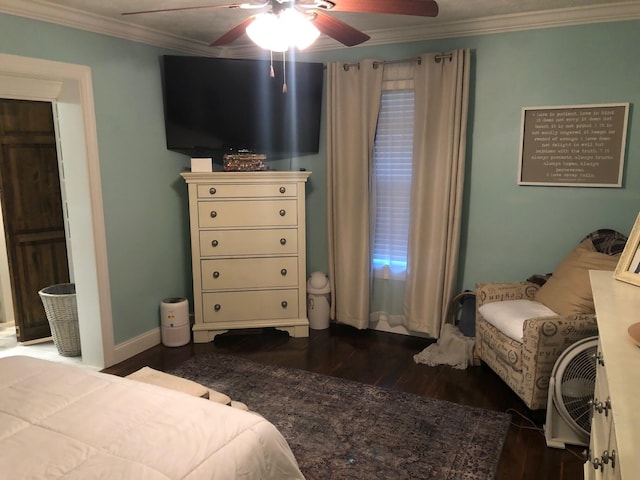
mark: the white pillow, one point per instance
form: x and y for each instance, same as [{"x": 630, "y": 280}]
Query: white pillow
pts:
[{"x": 509, "y": 316}]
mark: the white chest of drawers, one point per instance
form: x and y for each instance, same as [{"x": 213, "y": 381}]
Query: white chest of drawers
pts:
[
  {"x": 614, "y": 449},
  {"x": 248, "y": 251}
]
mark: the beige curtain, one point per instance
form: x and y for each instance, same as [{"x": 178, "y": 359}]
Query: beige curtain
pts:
[
  {"x": 442, "y": 96},
  {"x": 353, "y": 101},
  {"x": 441, "y": 83}
]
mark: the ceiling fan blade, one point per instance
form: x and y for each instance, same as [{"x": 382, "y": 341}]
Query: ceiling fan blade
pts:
[
  {"x": 233, "y": 34},
  {"x": 338, "y": 30},
  {"x": 419, "y": 8},
  {"x": 202, "y": 7}
]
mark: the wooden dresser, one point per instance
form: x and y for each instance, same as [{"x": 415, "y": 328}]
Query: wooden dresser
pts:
[
  {"x": 248, "y": 251},
  {"x": 614, "y": 451}
]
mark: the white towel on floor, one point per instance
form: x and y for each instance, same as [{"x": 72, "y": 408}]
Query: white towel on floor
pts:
[{"x": 452, "y": 348}]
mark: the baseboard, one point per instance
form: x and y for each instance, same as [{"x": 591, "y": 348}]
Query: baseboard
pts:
[
  {"x": 125, "y": 350},
  {"x": 383, "y": 324}
]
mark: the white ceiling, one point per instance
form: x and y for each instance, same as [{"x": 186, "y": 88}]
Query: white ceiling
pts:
[{"x": 192, "y": 31}]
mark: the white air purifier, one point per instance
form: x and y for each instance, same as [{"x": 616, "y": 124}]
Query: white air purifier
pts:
[{"x": 174, "y": 321}]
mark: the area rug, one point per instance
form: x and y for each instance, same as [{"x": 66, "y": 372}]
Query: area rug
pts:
[{"x": 341, "y": 429}]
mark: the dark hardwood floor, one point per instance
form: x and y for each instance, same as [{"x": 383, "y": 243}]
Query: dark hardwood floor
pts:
[{"x": 386, "y": 360}]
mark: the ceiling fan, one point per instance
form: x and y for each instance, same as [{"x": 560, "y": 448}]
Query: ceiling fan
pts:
[{"x": 314, "y": 12}]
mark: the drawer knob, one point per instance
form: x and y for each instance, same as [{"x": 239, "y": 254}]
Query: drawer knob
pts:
[
  {"x": 212, "y": 191},
  {"x": 283, "y": 241},
  {"x": 213, "y": 214},
  {"x": 283, "y": 190},
  {"x": 216, "y": 307},
  {"x": 283, "y": 212},
  {"x": 606, "y": 457},
  {"x": 216, "y": 274},
  {"x": 214, "y": 243},
  {"x": 284, "y": 304},
  {"x": 600, "y": 406},
  {"x": 597, "y": 464},
  {"x": 283, "y": 272}
]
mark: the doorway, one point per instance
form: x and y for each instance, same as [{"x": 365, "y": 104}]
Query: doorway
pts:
[
  {"x": 70, "y": 87},
  {"x": 32, "y": 206}
]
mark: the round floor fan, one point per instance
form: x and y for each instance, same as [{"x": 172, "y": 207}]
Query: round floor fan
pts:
[{"x": 571, "y": 390}]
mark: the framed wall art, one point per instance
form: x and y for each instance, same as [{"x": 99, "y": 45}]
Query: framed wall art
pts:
[
  {"x": 628, "y": 268},
  {"x": 573, "y": 145}
]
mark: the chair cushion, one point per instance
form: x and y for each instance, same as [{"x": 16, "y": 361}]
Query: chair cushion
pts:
[
  {"x": 509, "y": 316},
  {"x": 568, "y": 290}
]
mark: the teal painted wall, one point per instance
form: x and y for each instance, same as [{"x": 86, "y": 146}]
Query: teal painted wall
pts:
[
  {"x": 509, "y": 231},
  {"x": 145, "y": 202}
]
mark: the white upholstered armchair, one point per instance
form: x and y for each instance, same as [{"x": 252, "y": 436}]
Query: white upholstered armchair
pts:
[{"x": 523, "y": 327}]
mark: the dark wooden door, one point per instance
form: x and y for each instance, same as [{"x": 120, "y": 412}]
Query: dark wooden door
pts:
[{"x": 32, "y": 210}]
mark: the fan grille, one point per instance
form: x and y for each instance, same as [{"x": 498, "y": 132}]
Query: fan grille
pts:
[{"x": 576, "y": 385}]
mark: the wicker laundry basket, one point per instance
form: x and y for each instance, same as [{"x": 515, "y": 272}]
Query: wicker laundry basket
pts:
[{"x": 62, "y": 313}]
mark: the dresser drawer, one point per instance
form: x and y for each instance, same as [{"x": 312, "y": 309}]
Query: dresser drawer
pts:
[
  {"x": 249, "y": 273},
  {"x": 277, "y": 241},
  {"x": 612, "y": 468},
  {"x": 241, "y": 213},
  {"x": 249, "y": 305},
  {"x": 602, "y": 383},
  {"x": 601, "y": 417},
  {"x": 247, "y": 191}
]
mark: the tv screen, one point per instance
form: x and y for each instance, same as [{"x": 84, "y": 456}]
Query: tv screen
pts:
[{"x": 218, "y": 105}]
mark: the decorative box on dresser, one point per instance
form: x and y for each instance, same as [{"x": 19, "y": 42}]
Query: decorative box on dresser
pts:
[
  {"x": 614, "y": 450},
  {"x": 248, "y": 251}
]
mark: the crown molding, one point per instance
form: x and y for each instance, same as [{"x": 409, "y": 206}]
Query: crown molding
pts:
[
  {"x": 43, "y": 11},
  {"x": 70, "y": 17},
  {"x": 613, "y": 12}
]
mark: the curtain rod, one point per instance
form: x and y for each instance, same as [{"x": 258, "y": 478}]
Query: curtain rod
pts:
[{"x": 438, "y": 58}]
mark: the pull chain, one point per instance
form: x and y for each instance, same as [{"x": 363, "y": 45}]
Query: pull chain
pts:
[
  {"x": 284, "y": 73},
  {"x": 271, "y": 72}
]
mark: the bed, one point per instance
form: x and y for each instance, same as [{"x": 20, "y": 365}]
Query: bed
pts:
[{"x": 63, "y": 421}]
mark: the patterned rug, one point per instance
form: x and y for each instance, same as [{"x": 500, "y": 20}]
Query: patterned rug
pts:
[{"x": 340, "y": 429}]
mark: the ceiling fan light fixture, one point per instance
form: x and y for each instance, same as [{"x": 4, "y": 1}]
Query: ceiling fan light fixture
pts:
[
  {"x": 299, "y": 30},
  {"x": 265, "y": 32},
  {"x": 277, "y": 33}
]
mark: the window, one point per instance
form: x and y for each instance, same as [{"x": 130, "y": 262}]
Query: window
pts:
[{"x": 392, "y": 159}]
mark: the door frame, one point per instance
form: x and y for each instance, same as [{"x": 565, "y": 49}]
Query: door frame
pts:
[{"x": 69, "y": 87}]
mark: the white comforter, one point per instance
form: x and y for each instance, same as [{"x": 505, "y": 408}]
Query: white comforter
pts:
[{"x": 62, "y": 421}]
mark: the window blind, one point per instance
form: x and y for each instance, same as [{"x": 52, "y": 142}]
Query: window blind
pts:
[{"x": 392, "y": 159}]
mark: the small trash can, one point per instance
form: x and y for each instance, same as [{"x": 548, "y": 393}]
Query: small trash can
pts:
[
  {"x": 61, "y": 307},
  {"x": 174, "y": 318},
  {"x": 318, "y": 301}
]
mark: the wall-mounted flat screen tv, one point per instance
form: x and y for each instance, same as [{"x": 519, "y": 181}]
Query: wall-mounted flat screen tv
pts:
[{"x": 218, "y": 105}]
